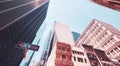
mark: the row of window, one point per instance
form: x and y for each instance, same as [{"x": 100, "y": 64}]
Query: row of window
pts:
[
  {"x": 80, "y": 59},
  {"x": 96, "y": 33},
  {"x": 77, "y": 52},
  {"x": 90, "y": 31},
  {"x": 63, "y": 56},
  {"x": 108, "y": 44},
  {"x": 103, "y": 37},
  {"x": 105, "y": 64},
  {"x": 115, "y": 52},
  {"x": 63, "y": 48}
]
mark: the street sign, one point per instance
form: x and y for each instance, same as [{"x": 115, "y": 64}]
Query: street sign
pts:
[{"x": 28, "y": 46}]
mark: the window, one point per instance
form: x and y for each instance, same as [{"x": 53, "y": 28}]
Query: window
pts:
[
  {"x": 106, "y": 43},
  {"x": 103, "y": 47},
  {"x": 112, "y": 39},
  {"x": 106, "y": 33},
  {"x": 81, "y": 53},
  {"x": 80, "y": 59},
  {"x": 108, "y": 53},
  {"x": 116, "y": 49},
  {"x": 73, "y": 52},
  {"x": 119, "y": 46},
  {"x": 119, "y": 60},
  {"x": 74, "y": 58},
  {"x": 63, "y": 48},
  {"x": 68, "y": 49},
  {"x": 85, "y": 60},
  {"x": 109, "y": 43},
  {"x": 113, "y": 52},
  {"x": 63, "y": 56}
]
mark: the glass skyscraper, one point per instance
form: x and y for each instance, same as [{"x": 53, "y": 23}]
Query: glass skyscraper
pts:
[{"x": 19, "y": 22}]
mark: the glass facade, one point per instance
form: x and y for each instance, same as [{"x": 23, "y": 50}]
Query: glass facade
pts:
[{"x": 24, "y": 29}]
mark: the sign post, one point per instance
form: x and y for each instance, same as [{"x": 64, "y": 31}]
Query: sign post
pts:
[{"x": 28, "y": 46}]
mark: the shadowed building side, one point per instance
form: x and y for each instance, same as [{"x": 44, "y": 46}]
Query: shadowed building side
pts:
[{"x": 23, "y": 29}]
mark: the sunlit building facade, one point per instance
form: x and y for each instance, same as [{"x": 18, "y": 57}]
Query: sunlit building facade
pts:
[
  {"x": 79, "y": 57},
  {"x": 102, "y": 36},
  {"x": 61, "y": 52}
]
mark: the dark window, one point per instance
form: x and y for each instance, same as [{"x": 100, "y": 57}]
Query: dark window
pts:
[
  {"x": 119, "y": 46},
  {"x": 85, "y": 60},
  {"x": 80, "y": 59},
  {"x": 73, "y": 52},
  {"x": 119, "y": 61},
  {"x": 63, "y": 56},
  {"x": 63, "y": 48},
  {"x": 74, "y": 58},
  {"x": 81, "y": 53}
]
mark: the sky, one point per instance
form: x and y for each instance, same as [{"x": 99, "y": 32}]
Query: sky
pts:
[
  {"x": 75, "y": 13},
  {"x": 79, "y": 13}
]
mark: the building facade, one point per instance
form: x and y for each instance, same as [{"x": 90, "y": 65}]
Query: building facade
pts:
[
  {"x": 94, "y": 61},
  {"x": 61, "y": 53},
  {"x": 102, "y": 36},
  {"x": 113, "y": 4},
  {"x": 79, "y": 57},
  {"x": 105, "y": 61},
  {"x": 23, "y": 29}
]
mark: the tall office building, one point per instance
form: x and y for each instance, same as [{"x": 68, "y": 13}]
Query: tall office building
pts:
[
  {"x": 61, "y": 53},
  {"x": 19, "y": 21},
  {"x": 113, "y": 4},
  {"x": 102, "y": 36}
]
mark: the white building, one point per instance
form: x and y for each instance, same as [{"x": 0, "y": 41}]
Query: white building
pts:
[{"x": 79, "y": 57}]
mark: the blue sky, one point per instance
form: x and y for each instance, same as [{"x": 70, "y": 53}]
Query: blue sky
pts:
[{"x": 79, "y": 13}]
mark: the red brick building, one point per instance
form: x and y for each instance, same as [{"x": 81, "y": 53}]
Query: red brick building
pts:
[{"x": 113, "y": 4}]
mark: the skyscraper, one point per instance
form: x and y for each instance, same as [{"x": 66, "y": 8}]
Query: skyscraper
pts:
[
  {"x": 61, "y": 52},
  {"x": 19, "y": 21},
  {"x": 102, "y": 36}
]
